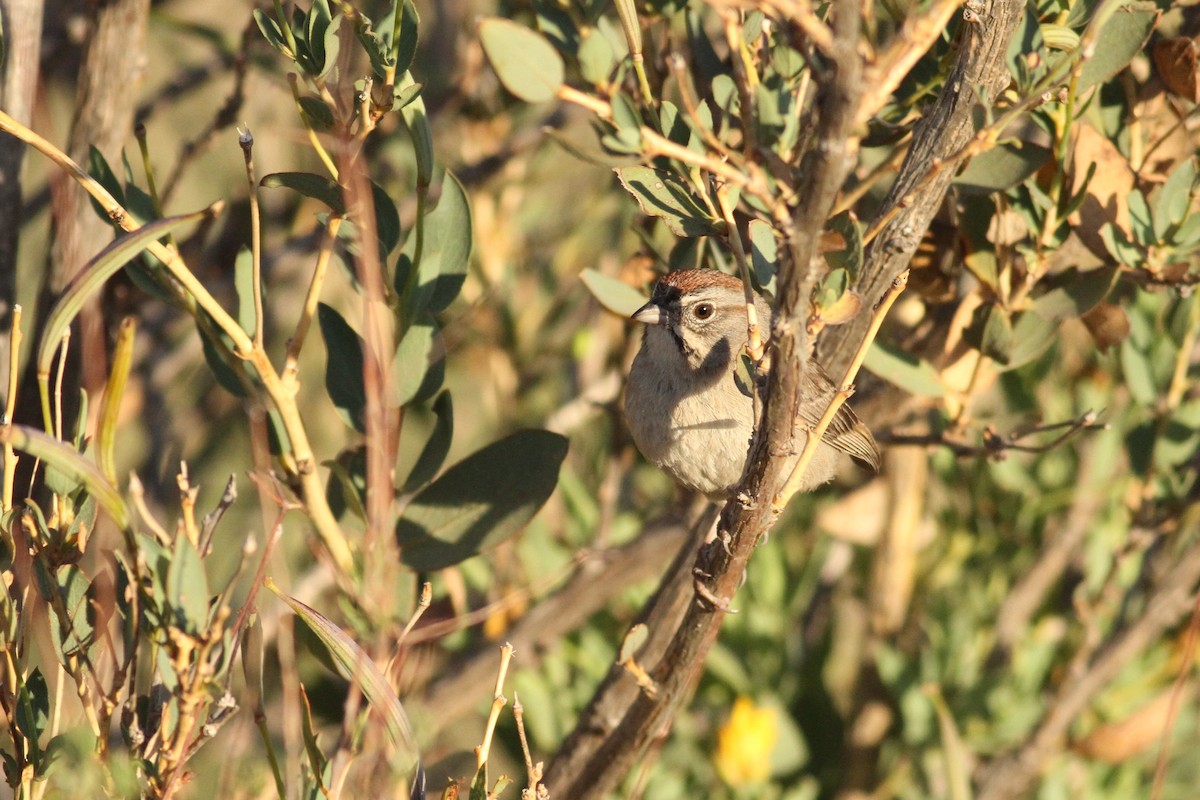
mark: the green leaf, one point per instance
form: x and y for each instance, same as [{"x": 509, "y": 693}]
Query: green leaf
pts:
[
  {"x": 243, "y": 282},
  {"x": 1075, "y": 293},
  {"x": 1002, "y": 168},
  {"x": 832, "y": 288},
  {"x": 387, "y": 220},
  {"x": 1122, "y": 36},
  {"x": 1120, "y": 248},
  {"x": 33, "y": 710},
  {"x": 406, "y": 43},
  {"x": 316, "y": 25},
  {"x": 316, "y": 759},
  {"x": 317, "y": 187},
  {"x": 319, "y": 114},
  {"x": 344, "y": 367},
  {"x": 99, "y": 169},
  {"x": 526, "y": 63},
  {"x": 74, "y": 632},
  {"x": 221, "y": 369},
  {"x": 617, "y": 296},
  {"x": 480, "y": 501},
  {"x": 1139, "y": 375},
  {"x": 1174, "y": 198},
  {"x": 662, "y": 195},
  {"x": 445, "y": 251},
  {"x": 433, "y": 454},
  {"x": 903, "y": 369},
  {"x": 416, "y": 119},
  {"x": 1032, "y": 335},
  {"x": 764, "y": 254},
  {"x": 419, "y": 363},
  {"x": 96, "y": 272},
  {"x": 187, "y": 587},
  {"x": 331, "y": 43},
  {"x": 377, "y": 50},
  {"x": 347, "y": 486},
  {"x": 995, "y": 332},
  {"x": 596, "y": 58},
  {"x": 357, "y": 667},
  {"x": 69, "y": 462},
  {"x": 272, "y": 32}
]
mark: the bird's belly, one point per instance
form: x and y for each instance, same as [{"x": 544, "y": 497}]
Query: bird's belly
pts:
[{"x": 702, "y": 445}]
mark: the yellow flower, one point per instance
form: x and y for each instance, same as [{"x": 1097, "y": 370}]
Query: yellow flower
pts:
[{"x": 745, "y": 742}]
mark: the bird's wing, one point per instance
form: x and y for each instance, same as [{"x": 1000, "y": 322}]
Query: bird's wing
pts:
[{"x": 846, "y": 432}]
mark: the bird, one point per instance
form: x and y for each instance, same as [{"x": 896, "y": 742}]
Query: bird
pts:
[{"x": 689, "y": 410}]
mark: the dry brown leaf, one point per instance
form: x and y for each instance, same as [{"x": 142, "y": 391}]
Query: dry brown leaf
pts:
[
  {"x": 845, "y": 309},
  {"x": 1175, "y": 61},
  {"x": 832, "y": 242},
  {"x": 1108, "y": 324},
  {"x": 1107, "y": 194},
  {"x": 1118, "y": 741}
]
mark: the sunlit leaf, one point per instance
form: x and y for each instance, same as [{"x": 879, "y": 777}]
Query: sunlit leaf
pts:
[
  {"x": 617, "y": 296},
  {"x": 308, "y": 184},
  {"x": 445, "y": 252},
  {"x": 665, "y": 196},
  {"x": 905, "y": 370},
  {"x": 1122, "y": 36},
  {"x": 526, "y": 63},
  {"x": 1002, "y": 167}
]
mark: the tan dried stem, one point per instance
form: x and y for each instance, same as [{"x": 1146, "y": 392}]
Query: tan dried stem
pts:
[
  {"x": 311, "y": 301},
  {"x": 498, "y": 701}
]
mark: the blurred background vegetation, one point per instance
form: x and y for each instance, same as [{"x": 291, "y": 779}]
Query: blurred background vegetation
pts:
[{"x": 1007, "y": 610}]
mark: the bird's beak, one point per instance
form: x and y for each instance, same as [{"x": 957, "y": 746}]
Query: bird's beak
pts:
[{"x": 650, "y": 314}]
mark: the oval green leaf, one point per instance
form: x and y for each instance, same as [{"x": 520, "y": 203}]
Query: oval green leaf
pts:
[
  {"x": 308, "y": 184},
  {"x": 524, "y": 60},
  {"x": 344, "y": 367},
  {"x": 480, "y": 501},
  {"x": 433, "y": 454},
  {"x": 662, "y": 195},
  {"x": 617, "y": 296},
  {"x": 904, "y": 370}
]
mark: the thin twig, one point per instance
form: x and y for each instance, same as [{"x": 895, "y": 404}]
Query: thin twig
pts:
[
  {"x": 422, "y": 605},
  {"x": 995, "y": 446},
  {"x": 498, "y": 702},
  {"x": 533, "y": 772}
]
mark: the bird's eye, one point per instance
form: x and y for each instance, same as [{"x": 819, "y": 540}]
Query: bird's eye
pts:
[{"x": 703, "y": 310}]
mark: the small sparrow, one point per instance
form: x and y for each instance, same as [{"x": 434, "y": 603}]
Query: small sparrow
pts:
[{"x": 689, "y": 409}]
